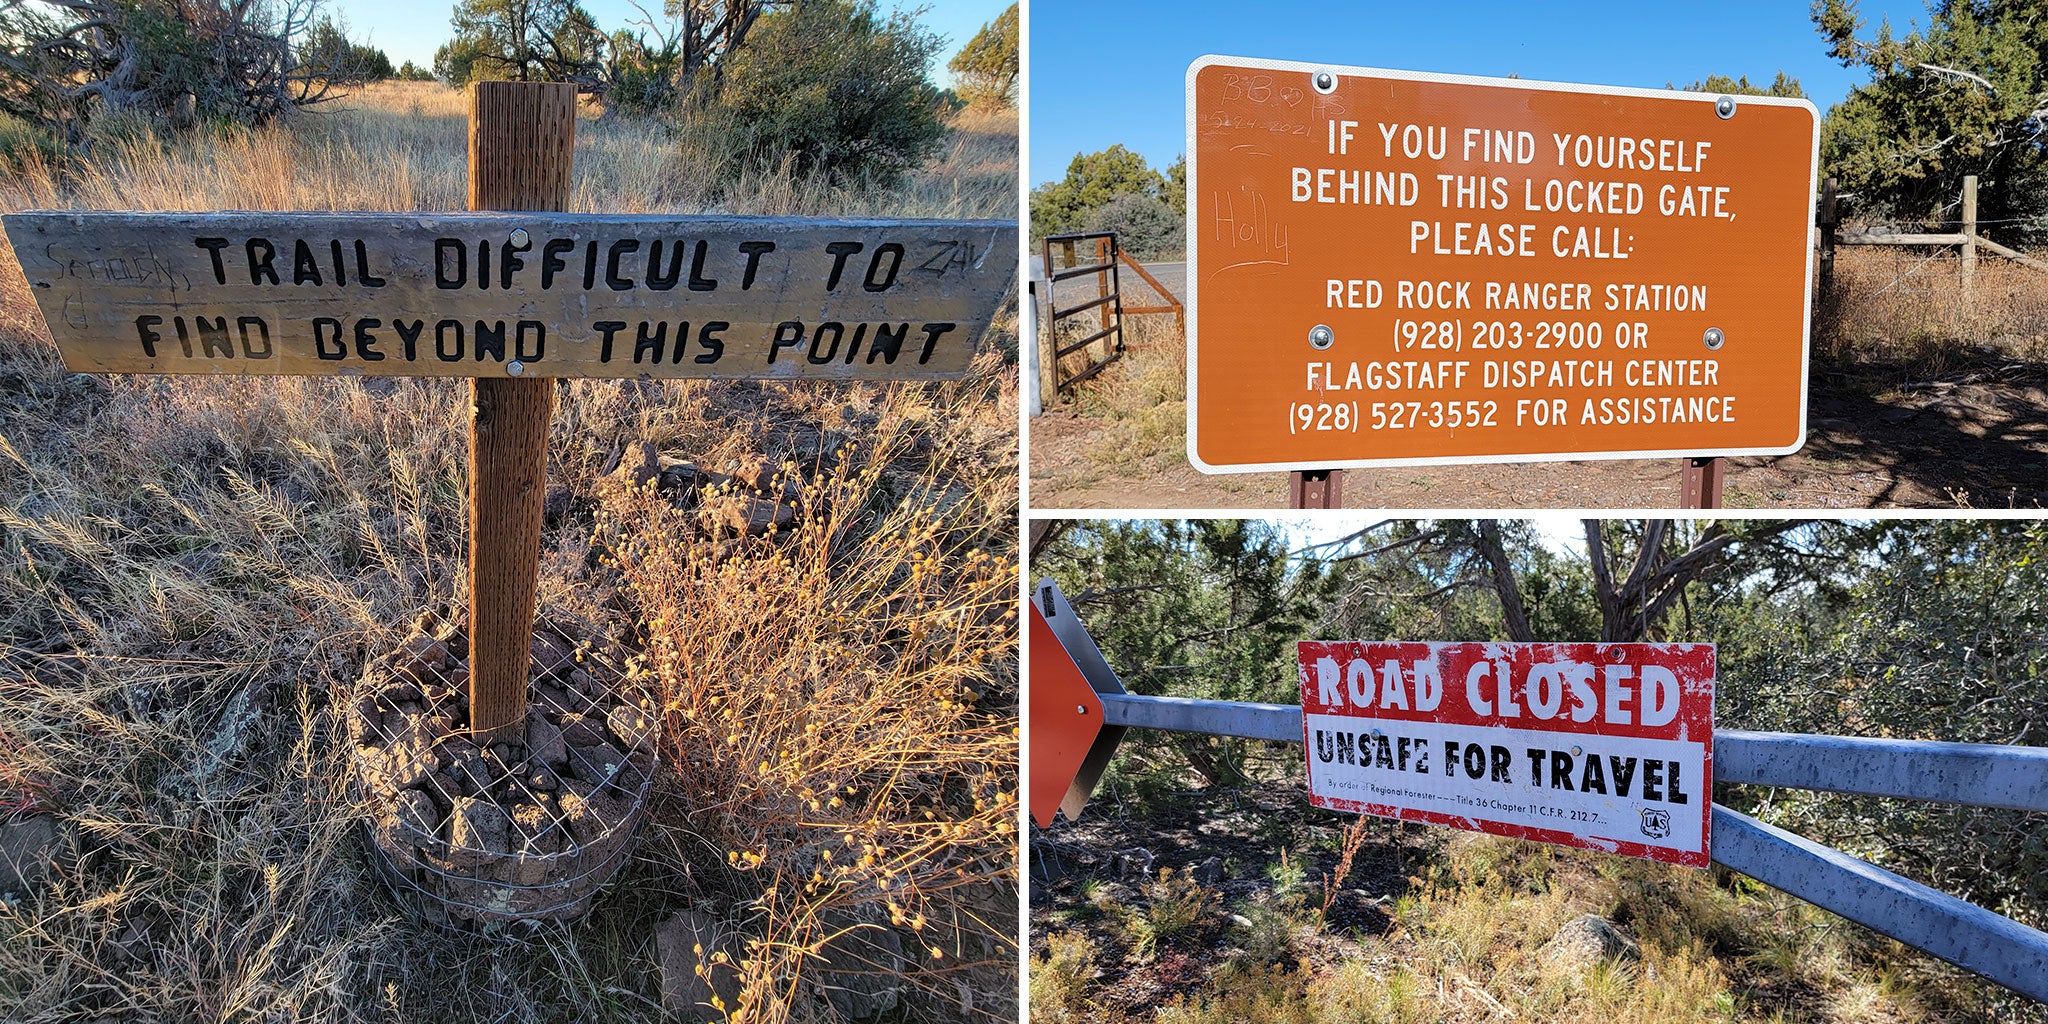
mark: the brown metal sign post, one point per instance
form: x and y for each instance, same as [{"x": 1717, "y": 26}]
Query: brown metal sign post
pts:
[{"x": 512, "y": 300}]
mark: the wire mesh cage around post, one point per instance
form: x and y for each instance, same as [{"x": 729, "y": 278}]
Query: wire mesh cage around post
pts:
[{"x": 523, "y": 826}]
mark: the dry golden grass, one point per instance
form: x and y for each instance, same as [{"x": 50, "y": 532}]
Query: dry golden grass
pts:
[
  {"x": 1906, "y": 306},
  {"x": 192, "y": 572},
  {"x": 1469, "y": 943}
]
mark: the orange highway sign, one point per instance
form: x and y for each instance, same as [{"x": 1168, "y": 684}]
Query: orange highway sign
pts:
[
  {"x": 1066, "y": 716},
  {"x": 1391, "y": 267}
]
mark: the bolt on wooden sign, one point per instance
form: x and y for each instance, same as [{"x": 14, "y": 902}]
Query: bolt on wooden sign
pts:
[
  {"x": 1598, "y": 746},
  {"x": 493, "y": 294},
  {"x": 1396, "y": 267}
]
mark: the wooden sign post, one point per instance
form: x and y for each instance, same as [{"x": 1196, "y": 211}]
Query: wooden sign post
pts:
[
  {"x": 521, "y": 144},
  {"x": 512, "y": 300}
]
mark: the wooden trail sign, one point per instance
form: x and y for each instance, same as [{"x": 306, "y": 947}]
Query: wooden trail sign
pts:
[
  {"x": 511, "y": 300},
  {"x": 1599, "y": 746},
  {"x": 470, "y": 295},
  {"x": 1392, "y": 268}
]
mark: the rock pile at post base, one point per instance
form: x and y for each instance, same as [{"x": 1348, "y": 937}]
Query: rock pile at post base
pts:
[{"x": 524, "y": 829}]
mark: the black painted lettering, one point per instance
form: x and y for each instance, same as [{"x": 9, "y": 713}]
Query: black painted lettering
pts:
[
  {"x": 1671, "y": 791},
  {"x": 213, "y": 336},
  {"x": 1503, "y": 759},
  {"x": 657, "y": 278},
  {"x": 1475, "y": 761},
  {"x": 649, "y": 344},
  {"x": 1623, "y": 771},
  {"x": 1653, "y": 779},
  {"x": 707, "y": 339},
  {"x": 410, "y": 337},
  {"x": 1561, "y": 771},
  {"x": 366, "y": 343},
  {"x": 551, "y": 260},
  {"x": 322, "y": 326},
  {"x": 931, "y": 340},
  {"x": 895, "y": 254},
  {"x": 304, "y": 267},
  {"x": 490, "y": 340},
  {"x": 509, "y": 262},
  {"x": 483, "y": 265},
  {"x": 887, "y": 345},
  {"x": 607, "y": 328},
  {"x": 1326, "y": 747},
  {"x": 1345, "y": 753},
  {"x": 860, "y": 334},
  {"x": 340, "y": 274},
  {"x": 1593, "y": 779},
  {"x": 184, "y": 339},
  {"x": 213, "y": 246},
  {"x": 621, "y": 248},
  {"x": 442, "y": 349},
  {"x": 590, "y": 265},
  {"x": 443, "y": 278},
  {"x": 145, "y": 332},
  {"x": 682, "y": 341},
  {"x": 788, "y": 334},
  {"x": 1536, "y": 766},
  {"x": 363, "y": 276},
  {"x": 818, "y": 338},
  {"x": 753, "y": 251},
  {"x": 259, "y": 265},
  {"x": 840, "y": 251},
  {"x": 698, "y": 282},
  {"x": 250, "y": 351},
  {"x": 538, "y": 332},
  {"x": 1450, "y": 757}
]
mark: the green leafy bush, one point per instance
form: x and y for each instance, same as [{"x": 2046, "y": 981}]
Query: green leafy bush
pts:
[
  {"x": 833, "y": 88},
  {"x": 1145, "y": 227}
]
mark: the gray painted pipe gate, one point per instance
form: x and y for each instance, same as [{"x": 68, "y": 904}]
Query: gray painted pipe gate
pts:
[{"x": 1973, "y": 774}]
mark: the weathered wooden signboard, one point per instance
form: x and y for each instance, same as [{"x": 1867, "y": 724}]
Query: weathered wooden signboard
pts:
[
  {"x": 1598, "y": 746},
  {"x": 1393, "y": 267},
  {"x": 495, "y": 294}
]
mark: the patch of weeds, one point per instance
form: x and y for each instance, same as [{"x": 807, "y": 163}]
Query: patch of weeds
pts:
[
  {"x": 1060, "y": 978},
  {"x": 1175, "y": 906}
]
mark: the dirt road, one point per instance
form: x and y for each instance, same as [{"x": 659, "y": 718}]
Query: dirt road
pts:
[{"x": 1978, "y": 439}]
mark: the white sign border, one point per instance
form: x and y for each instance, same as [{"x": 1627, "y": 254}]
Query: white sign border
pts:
[{"x": 1307, "y": 67}]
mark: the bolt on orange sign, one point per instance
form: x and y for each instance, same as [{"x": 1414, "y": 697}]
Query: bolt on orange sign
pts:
[{"x": 1395, "y": 267}]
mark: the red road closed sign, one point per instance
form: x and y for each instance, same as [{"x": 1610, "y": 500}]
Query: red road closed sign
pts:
[{"x": 1599, "y": 746}]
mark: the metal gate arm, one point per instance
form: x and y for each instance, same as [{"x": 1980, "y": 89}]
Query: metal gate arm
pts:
[
  {"x": 1978, "y": 774},
  {"x": 1278, "y": 722},
  {"x": 1963, "y": 934}
]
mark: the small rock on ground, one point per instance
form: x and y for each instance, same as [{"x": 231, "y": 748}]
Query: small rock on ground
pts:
[
  {"x": 29, "y": 848},
  {"x": 690, "y": 941},
  {"x": 863, "y": 969},
  {"x": 1588, "y": 939}
]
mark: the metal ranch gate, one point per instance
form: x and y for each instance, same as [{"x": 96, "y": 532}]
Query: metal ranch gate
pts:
[{"x": 1974, "y": 774}]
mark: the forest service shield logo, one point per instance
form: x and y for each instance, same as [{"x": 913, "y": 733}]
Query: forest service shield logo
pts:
[{"x": 1656, "y": 822}]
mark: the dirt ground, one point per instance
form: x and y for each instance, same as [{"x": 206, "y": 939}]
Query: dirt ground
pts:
[{"x": 1874, "y": 440}]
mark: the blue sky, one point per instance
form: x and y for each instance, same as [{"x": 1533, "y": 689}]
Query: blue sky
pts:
[
  {"x": 414, "y": 29},
  {"x": 1103, "y": 73}
]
